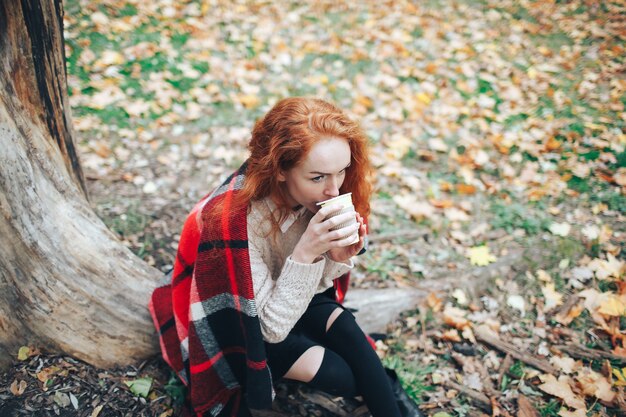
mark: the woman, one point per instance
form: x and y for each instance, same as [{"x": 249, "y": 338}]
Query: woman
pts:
[{"x": 259, "y": 275}]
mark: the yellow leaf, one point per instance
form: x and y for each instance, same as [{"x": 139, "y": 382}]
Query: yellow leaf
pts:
[
  {"x": 22, "y": 354},
  {"x": 249, "y": 101},
  {"x": 612, "y": 305},
  {"x": 479, "y": 255},
  {"x": 424, "y": 98},
  {"x": 365, "y": 101},
  {"x": 620, "y": 375},
  {"x": 552, "y": 297}
]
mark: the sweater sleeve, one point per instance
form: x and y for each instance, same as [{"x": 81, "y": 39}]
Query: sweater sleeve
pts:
[
  {"x": 332, "y": 271},
  {"x": 281, "y": 303}
]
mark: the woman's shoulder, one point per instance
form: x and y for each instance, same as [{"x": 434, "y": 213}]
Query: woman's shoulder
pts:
[{"x": 259, "y": 217}]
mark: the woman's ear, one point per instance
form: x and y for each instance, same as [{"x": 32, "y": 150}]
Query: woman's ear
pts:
[{"x": 281, "y": 176}]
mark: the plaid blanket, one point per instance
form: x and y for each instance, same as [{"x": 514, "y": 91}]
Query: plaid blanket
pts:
[{"x": 206, "y": 317}]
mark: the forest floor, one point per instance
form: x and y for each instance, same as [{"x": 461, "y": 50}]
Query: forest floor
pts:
[{"x": 498, "y": 139}]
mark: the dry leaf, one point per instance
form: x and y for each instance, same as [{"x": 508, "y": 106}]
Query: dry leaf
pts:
[
  {"x": 518, "y": 303},
  {"x": 480, "y": 255},
  {"x": 417, "y": 209},
  {"x": 249, "y": 101},
  {"x": 552, "y": 297},
  {"x": 451, "y": 335},
  {"x": 581, "y": 412},
  {"x": 18, "y": 388},
  {"x": 465, "y": 189},
  {"x": 565, "y": 364},
  {"x": 593, "y": 383},
  {"x": 566, "y": 317},
  {"x": 612, "y": 305},
  {"x": 561, "y": 388},
  {"x": 46, "y": 373},
  {"x": 560, "y": 229},
  {"x": 455, "y": 317},
  {"x": 96, "y": 411},
  {"x": 434, "y": 302},
  {"x": 609, "y": 268},
  {"x": 526, "y": 409}
]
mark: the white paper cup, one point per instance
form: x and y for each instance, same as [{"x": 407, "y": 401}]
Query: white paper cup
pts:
[{"x": 346, "y": 201}]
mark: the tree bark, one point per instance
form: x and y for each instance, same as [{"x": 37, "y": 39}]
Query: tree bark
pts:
[{"x": 66, "y": 283}]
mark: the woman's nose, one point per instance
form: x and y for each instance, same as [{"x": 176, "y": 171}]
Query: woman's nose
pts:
[{"x": 332, "y": 187}]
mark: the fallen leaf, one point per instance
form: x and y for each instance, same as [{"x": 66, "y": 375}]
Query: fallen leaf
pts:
[
  {"x": 417, "y": 209},
  {"x": 593, "y": 383},
  {"x": 96, "y": 411},
  {"x": 517, "y": 302},
  {"x": 74, "y": 401},
  {"x": 581, "y": 412},
  {"x": 455, "y": 317},
  {"x": 551, "y": 296},
  {"x": 22, "y": 353},
  {"x": 561, "y": 388},
  {"x": 434, "y": 302},
  {"x": 451, "y": 335},
  {"x": 46, "y": 373},
  {"x": 525, "y": 408},
  {"x": 565, "y": 364},
  {"x": 465, "y": 189},
  {"x": 620, "y": 176},
  {"x": 460, "y": 296},
  {"x": 612, "y": 305},
  {"x": 566, "y": 317},
  {"x": 560, "y": 229},
  {"x": 18, "y": 388},
  {"x": 543, "y": 276},
  {"x": 249, "y": 101},
  {"x": 620, "y": 375},
  {"x": 609, "y": 268},
  {"x": 61, "y": 399},
  {"x": 140, "y": 386},
  {"x": 591, "y": 231},
  {"x": 480, "y": 255}
]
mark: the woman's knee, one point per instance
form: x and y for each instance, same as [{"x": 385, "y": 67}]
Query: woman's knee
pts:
[{"x": 333, "y": 316}]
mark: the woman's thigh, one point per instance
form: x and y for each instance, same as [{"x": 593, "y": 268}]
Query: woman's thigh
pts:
[{"x": 281, "y": 356}]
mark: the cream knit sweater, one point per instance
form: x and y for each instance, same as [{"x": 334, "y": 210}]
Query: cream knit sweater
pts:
[{"x": 283, "y": 288}]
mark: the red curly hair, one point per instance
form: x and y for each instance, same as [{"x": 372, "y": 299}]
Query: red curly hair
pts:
[{"x": 283, "y": 138}]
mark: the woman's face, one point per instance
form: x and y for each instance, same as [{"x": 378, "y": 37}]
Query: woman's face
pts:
[{"x": 319, "y": 175}]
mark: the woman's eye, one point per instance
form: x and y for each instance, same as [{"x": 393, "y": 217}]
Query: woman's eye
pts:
[{"x": 317, "y": 179}]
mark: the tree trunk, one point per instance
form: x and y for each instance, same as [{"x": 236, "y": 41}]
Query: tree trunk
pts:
[{"x": 66, "y": 283}]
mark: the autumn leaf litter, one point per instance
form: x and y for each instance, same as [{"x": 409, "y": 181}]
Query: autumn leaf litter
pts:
[{"x": 498, "y": 135}]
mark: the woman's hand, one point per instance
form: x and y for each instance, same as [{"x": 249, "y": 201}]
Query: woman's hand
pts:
[
  {"x": 318, "y": 239},
  {"x": 344, "y": 253}
]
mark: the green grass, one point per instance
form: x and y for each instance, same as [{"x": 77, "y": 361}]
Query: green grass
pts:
[
  {"x": 517, "y": 216},
  {"x": 550, "y": 409},
  {"x": 413, "y": 376}
]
